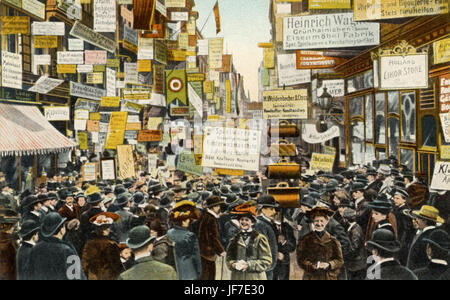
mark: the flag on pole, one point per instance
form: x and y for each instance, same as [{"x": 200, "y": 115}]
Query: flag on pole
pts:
[{"x": 217, "y": 15}]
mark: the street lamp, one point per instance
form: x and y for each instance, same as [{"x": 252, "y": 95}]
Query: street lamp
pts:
[{"x": 325, "y": 101}]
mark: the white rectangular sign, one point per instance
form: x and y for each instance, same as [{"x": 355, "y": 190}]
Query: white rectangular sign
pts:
[
  {"x": 441, "y": 176},
  {"x": 76, "y": 45},
  {"x": 231, "y": 148},
  {"x": 328, "y": 31},
  {"x": 404, "y": 72},
  {"x": 56, "y": 113},
  {"x": 43, "y": 59},
  {"x": 86, "y": 91},
  {"x": 85, "y": 68},
  {"x": 445, "y": 124},
  {"x": 104, "y": 15},
  {"x": 70, "y": 57},
  {"x": 11, "y": 70},
  {"x": 35, "y": 7},
  {"x": 48, "y": 28},
  {"x": 44, "y": 85},
  {"x": 203, "y": 47},
  {"x": 288, "y": 74},
  {"x": 110, "y": 82},
  {"x": 131, "y": 72},
  {"x": 179, "y": 16}
]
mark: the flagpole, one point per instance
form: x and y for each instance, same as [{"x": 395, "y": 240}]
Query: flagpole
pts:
[{"x": 208, "y": 16}]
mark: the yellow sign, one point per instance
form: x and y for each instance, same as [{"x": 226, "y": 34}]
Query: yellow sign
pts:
[
  {"x": 125, "y": 161},
  {"x": 83, "y": 140},
  {"x": 144, "y": 65},
  {"x": 43, "y": 41},
  {"x": 90, "y": 172},
  {"x": 445, "y": 152},
  {"x": 94, "y": 78},
  {"x": 228, "y": 90},
  {"x": 229, "y": 172},
  {"x": 285, "y": 104},
  {"x": 110, "y": 102},
  {"x": 15, "y": 25},
  {"x": 176, "y": 55},
  {"x": 118, "y": 120},
  {"x": 322, "y": 162},
  {"x": 441, "y": 50},
  {"x": 95, "y": 116},
  {"x": 195, "y": 77},
  {"x": 116, "y": 130},
  {"x": 67, "y": 69},
  {"x": 269, "y": 58},
  {"x": 113, "y": 63},
  {"x": 329, "y": 4},
  {"x": 99, "y": 68},
  {"x": 133, "y": 126},
  {"x": 392, "y": 9}
]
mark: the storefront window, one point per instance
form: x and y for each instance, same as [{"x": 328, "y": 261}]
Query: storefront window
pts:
[
  {"x": 429, "y": 130},
  {"x": 381, "y": 152},
  {"x": 8, "y": 165},
  {"x": 409, "y": 117},
  {"x": 407, "y": 158},
  {"x": 370, "y": 153},
  {"x": 380, "y": 119},
  {"x": 393, "y": 102},
  {"x": 46, "y": 163},
  {"x": 394, "y": 136},
  {"x": 356, "y": 106},
  {"x": 357, "y": 140},
  {"x": 369, "y": 117}
]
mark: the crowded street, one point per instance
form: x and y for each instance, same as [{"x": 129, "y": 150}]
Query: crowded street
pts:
[{"x": 224, "y": 140}]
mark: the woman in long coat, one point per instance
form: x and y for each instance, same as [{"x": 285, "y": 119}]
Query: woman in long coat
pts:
[
  {"x": 187, "y": 250},
  {"x": 101, "y": 256},
  {"x": 248, "y": 253},
  {"x": 319, "y": 254}
]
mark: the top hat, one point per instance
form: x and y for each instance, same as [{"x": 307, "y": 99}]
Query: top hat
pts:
[
  {"x": 104, "y": 218},
  {"x": 214, "y": 201},
  {"x": 28, "y": 227},
  {"x": 384, "y": 239},
  {"x": 319, "y": 211},
  {"x": 440, "y": 239},
  {"x": 427, "y": 212},
  {"x": 51, "y": 223},
  {"x": 94, "y": 198},
  {"x": 139, "y": 236},
  {"x": 381, "y": 204},
  {"x": 267, "y": 201}
]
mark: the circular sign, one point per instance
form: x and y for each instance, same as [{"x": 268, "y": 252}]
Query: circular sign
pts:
[{"x": 175, "y": 84}]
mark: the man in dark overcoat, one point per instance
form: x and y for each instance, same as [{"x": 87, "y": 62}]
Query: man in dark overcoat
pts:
[{"x": 29, "y": 233}]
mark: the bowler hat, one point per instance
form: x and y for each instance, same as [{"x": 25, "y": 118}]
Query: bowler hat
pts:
[
  {"x": 308, "y": 201},
  {"x": 107, "y": 190},
  {"x": 119, "y": 189},
  {"x": 138, "y": 198},
  {"x": 139, "y": 236},
  {"x": 30, "y": 200},
  {"x": 401, "y": 192},
  {"x": 224, "y": 190},
  {"x": 371, "y": 171},
  {"x": 230, "y": 198},
  {"x": 205, "y": 195},
  {"x": 357, "y": 186},
  {"x": 123, "y": 198},
  {"x": 384, "y": 170},
  {"x": 178, "y": 188},
  {"x": 427, "y": 212},
  {"x": 52, "y": 185},
  {"x": 267, "y": 201},
  {"x": 51, "y": 223},
  {"x": 440, "y": 239},
  {"x": 361, "y": 178},
  {"x": 235, "y": 189},
  {"x": 339, "y": 178},
  {"x": 214, "y": 201},
  {"x": 381, "y": 204},
  {"x": 52, "y": 196},
  {"x": 166, "y": 200},
  {"x": 42, "y": 197},
  {"x": 349, "y": 174},
  {"x": 315, "y": 187},
  {"x": 94, "y": 198},
  {"x": 384, "y": 239},
  {"x": 28, "y": 227}
]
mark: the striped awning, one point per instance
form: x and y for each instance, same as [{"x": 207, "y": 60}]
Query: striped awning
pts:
[{"x": 25, "y": 131}]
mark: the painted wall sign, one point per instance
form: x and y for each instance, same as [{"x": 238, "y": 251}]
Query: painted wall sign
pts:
[
  {"x": 285, "y": 104},
  {"x": 404, "y": 72},
  {"x": 328, "y": 31}
]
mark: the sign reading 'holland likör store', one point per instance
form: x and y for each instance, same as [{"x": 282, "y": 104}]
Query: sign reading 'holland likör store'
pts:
[{"x": 328, "y": 31}]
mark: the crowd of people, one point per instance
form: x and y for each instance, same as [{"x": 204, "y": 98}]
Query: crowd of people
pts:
[{"x": 373, "y": 222}]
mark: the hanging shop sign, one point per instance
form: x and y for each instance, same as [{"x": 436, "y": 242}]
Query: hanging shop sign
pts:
[
  {"x": 125, "y": 161},
  {"x": 401, "y": 67},
  {"x": 90, "y": 172},
  {"x": 46, "y": 42},
  {"x": 441, "y": 176},
  {"x": 86, "y": 91},
  {"x": 48, "y": 28},
  {"x": 328, "y": 31},
  {"x": 311, "y": 136},
  {"x": 11, "y": 70},
  {"x": 392, "y": 9},
  {"x": 57, "y": 113},
  {"x": 285, "y": 104},
  {"x": 445, "y": 124},
  {"x": 306, "y": 61},
  {"x": 288, "y": 74},
  {"x": 149, "y": 135},
  {"x": 108, "y": 169},
  {"x": 85, "y": 33},
  {"x": 321, "y": 162},
  {"x": 444, "y": 93},
  {"x": 185, "y": 162},
  {"x": 104, "y": 15},
  {"x": 441, "y": 51},
  {"x": 15, "y": 25}
]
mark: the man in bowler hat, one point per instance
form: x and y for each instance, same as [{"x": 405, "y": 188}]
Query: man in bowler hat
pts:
[
  {"x": 383, "y": 245},
  {"x": 52, "y": 258},
  {"x": 29, "y": 234},
  {"x": 146, "y": 267}
]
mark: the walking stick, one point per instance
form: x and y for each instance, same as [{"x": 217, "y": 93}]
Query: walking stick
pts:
[{"x": 221, "y": 271}]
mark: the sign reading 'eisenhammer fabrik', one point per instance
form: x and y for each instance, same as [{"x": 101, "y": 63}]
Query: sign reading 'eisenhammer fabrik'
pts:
[{"x": 328, "y": 31}]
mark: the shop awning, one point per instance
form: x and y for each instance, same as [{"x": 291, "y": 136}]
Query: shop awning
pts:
[{"x": 25, "y": 131}]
